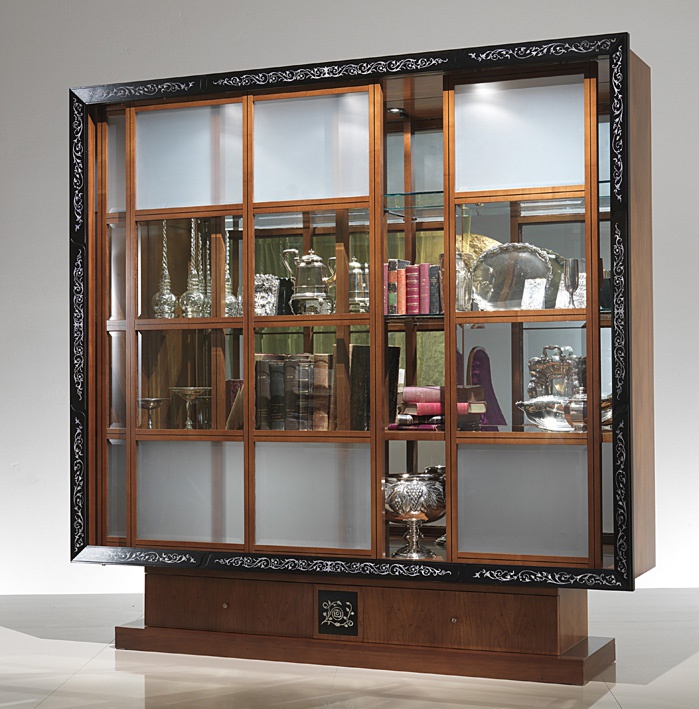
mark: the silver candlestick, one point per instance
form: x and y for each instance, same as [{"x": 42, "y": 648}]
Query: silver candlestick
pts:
[
  {"x": 571, "y": 274},
  {"x": 231, "y": 302},
  {"x": 192, "y": 300},
  {"x": 164, "y": 302}
]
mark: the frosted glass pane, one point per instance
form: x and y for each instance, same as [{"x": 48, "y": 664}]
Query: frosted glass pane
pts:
[
  {"x": 427, "y": 161},
  {"x": 189, "y": 156},
  {"x": 523, "y": 133},
  {"x": 312, "y": 148},
  {"x": 116, "y": 152},
  {"x": 395, "y": 179},
  {"x": 523, "y": 500},
  {"x": 313, "y": 495},
  {"x": 116, "y": 484},
  {"x": 190, "y": 491}
]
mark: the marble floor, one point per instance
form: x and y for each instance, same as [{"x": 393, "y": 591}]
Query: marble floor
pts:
[{"x": 56, "y": 652}]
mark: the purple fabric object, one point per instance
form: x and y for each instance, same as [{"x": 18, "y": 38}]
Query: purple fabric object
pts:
[{"x": 479, "y": 373}]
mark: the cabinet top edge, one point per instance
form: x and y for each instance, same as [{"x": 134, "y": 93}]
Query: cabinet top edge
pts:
[{"x": 442, "y": 61}]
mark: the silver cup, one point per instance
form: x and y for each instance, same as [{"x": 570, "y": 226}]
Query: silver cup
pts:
[{"x": 415, "y": 498}]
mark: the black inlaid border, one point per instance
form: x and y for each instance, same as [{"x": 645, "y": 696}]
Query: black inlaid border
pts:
[{"x": 564, "y": 50}]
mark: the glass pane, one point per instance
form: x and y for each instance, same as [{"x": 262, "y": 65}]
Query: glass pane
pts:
[
  {"x": 422, "y": 459},
  {"x": 427, "y": 162},
  {"x": 312, "y": 379},
  {"x": 417, "y": 402},
  {"x": 520, "y": 133},
  {"x": 523, "y": 377},
  {"x": 116, "y": 164},
  {"x": 179, "y": 261},
  {"x": 336, "y": 515},
  {"x": 523, "y": 500},
  {"x": 296, "y": 258},
  {"x": 116, "y": 486},
  {"x": 116, "y": 241},
  {"x": 415, "y": 249},
  {"x": 191, "y": 491},
  {"x": 117, "y": 379},
  {"x": 312, "y": 147},
  {"x": 188, "y": 157},
  {"x": 525, "y": 255},
  {"x": 174, "y": 383}
]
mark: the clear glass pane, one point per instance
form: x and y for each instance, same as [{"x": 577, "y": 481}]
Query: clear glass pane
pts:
[
  {"x": 116, "y": 488},
  {"x": 415, "y": 457},
  {"x": 420, "y": 378},
  {"x": 116, "y": 164},
  {"x": 530, "y": 393},
  {"x": 415, "y": 247},
  {"x": 523, "y": 500},
  {"x": 191, "y": 491},
  {"x": 427, "y": 161},
  {"x": 337, "y": 515},
  {"x": 188, "y": 157},
  {"x": 312, "y": 147},
  {"x": 395, "y": 175},
  {"x": 116, "y": 236},
  {"x": 525, "y": 255},
  {"x": 520, "y": 133},
  {"x": 179, "y": 262},
  {"x": 312, "y": 379},
  {"x": 174, "y": 383},
  {"x": 297, "y": 255},
  {"x": 117, "y": 379}
]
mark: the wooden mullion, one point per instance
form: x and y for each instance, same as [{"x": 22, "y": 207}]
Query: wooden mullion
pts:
[
  {"x": 248, "y": 324},
  {"x": 450, "y": 379},
  {"x": 131, "y": 290},
  {"x": 593, "y": 383},
  {"x": 378, "y": 253}
]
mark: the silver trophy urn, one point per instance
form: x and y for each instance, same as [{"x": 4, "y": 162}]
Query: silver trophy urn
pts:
[{"x": 415, "y": 498}]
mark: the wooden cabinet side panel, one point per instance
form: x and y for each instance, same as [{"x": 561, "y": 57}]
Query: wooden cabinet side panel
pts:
[{"x": 641, "y": 293}]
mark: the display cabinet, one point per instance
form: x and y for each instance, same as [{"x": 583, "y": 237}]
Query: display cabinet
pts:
[{"x": 361, "y": 354}]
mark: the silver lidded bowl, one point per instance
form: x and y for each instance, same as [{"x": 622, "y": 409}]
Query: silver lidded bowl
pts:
[{"x": 415, "y": 498}]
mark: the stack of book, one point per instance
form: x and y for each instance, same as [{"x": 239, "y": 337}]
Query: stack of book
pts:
[
  {"x": 292, "y": 392},
  {"x": 423, "y": 408},
  {"x": 411, "y": 289}
]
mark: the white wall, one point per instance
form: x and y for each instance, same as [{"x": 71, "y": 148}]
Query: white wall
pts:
[{"x": 47, "y": 46}]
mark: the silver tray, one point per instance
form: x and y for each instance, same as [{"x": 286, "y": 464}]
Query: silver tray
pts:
[{"x": 501, "y": 273}]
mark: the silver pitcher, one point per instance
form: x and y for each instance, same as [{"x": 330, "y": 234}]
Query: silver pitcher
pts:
[
  {"x": 358, "y": 287},
  {"x": 311, "y": 279}
]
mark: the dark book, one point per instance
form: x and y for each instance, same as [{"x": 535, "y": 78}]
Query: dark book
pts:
[
  {"x": 392, "y": 287},
  {"x": 360, "y": 387},
  {"x": 435, "y": 297},
  {"x": 276, "y": 395},
  {"x": 262, "y": 395},
  {"x": 392, "y": 365},
  {"x": 291, "y": 395},
  {"x": 233, "y": 386},
  {"x": 234, "y": 422},
  {"x": 412, "y": 290},
  {"x": 385, "y": 289},
  {"x": 305, "y": 388},
  {"x": 321, "y": 391}
]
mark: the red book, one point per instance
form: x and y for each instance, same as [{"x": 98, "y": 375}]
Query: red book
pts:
[
  {"x": 412, "y": 290},
  {"x": 401, "y": 305},
  {"x": 464, "y": 392},
  {"x": 436, "y": 408},
  {"x": 424, "y": 281}
]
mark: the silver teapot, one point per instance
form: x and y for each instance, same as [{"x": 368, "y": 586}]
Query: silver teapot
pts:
[
  {"x": 311, "y": 279},
  {"x": 358, "y": 287}
]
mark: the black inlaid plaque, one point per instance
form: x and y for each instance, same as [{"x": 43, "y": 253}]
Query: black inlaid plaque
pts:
[{"x": 338, "y": 612}]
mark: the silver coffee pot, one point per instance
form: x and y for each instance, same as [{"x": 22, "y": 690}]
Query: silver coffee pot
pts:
[
  {"x": 358, "y": 287},
  {"x": 311, "y": 279}
]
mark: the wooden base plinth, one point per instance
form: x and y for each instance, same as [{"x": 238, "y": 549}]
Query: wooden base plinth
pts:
[
  {"x": 578, "y": 665},
  {"x": 537, "y": 635}
]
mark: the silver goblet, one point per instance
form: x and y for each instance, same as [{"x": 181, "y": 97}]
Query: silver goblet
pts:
[
  {"x": 190, "y": 394},
  {"x": 150, "y": 404},
  {"x": 415, "y": 498}
]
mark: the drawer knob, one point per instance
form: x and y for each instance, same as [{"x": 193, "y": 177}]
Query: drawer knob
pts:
[
  {"x": 225, "y": 605},
  {"x": 454, "y": 620}
]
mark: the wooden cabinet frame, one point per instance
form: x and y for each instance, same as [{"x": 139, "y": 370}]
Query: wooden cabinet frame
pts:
[{"x": 631, "y": 319}]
